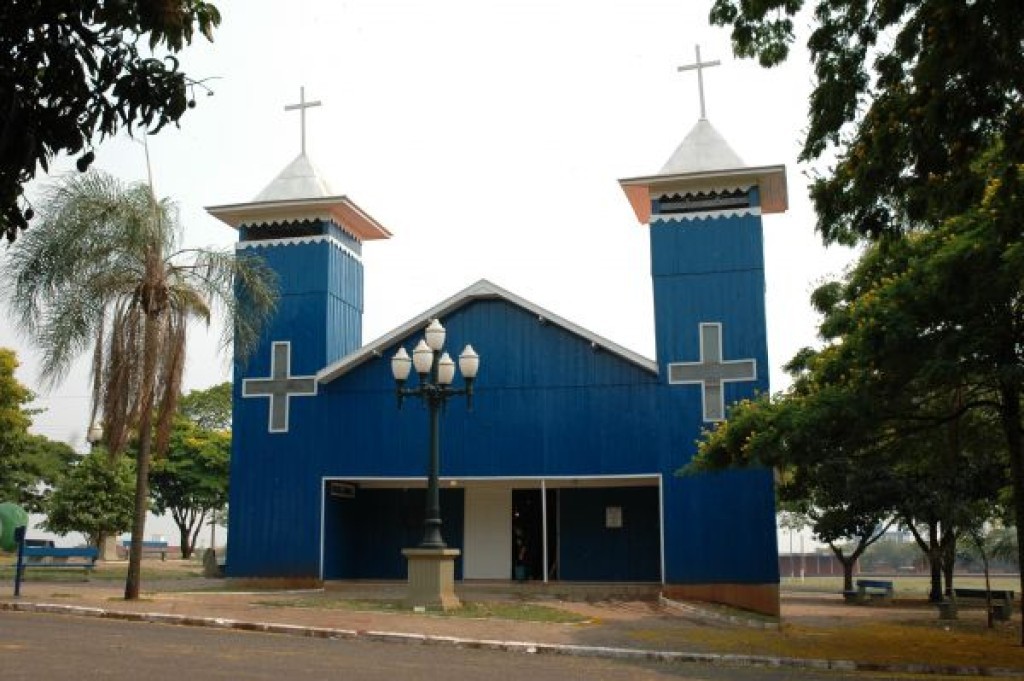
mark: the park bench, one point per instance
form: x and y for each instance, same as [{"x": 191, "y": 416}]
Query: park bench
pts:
[
  {"x": 151, "y": 547},
  {"x": 1002, "y": 601},
  {"x": 80, "y": 558},
  {"x": 868, "y": 589}
]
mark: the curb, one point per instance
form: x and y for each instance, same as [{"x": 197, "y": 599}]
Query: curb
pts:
[{"x": 638, "y": 654}]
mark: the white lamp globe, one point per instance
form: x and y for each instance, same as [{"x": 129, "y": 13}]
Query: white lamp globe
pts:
[
  {"x": 401, "y": 364},
  {"x": 95, "y": 433},
  {"x": 469, "y": 362},
  {"x": 435, "y": 335},
  {"x": 422, "y": 358},
  {"x": 445, "y": 370}
]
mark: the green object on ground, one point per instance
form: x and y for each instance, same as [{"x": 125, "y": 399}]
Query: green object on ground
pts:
[{"x": 11, "y": 516}]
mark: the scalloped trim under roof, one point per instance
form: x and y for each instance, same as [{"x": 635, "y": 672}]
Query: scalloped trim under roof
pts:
[
  {"x": 702, "y": 150},
  {"x": 299, "y": 193},
  {"x": 704, "y": 161},
  {"x": 482, "y": 289}
]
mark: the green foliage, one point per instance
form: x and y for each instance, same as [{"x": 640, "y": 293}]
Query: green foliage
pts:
[
  {"x": 210, "y": 408},
  {"x": 191, "y": 480},
  {"x": 907, "y": 93},
  {"x": 40, "y": 465},
  {"x": 94, "y": 497},
  {"x": 29, "y": 464},
  {"x": 117, "y": 280},
  {"x": 14, "y": 423},
  {"x": 103, "y": 270},
  {"x": 71, "y": 71}
]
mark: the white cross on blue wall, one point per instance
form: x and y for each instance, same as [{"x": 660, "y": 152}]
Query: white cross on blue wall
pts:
[
  {"x": 711, "y": 372},
  {"x": 280, "y": 386}
]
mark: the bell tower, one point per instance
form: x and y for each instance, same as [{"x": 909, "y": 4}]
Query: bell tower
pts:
[
  {"x": 312, "y": 238},
  {"x": 703, "y": 209}
]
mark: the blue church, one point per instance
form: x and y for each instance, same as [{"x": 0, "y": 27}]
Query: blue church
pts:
[{"x": 573, "y": 442}]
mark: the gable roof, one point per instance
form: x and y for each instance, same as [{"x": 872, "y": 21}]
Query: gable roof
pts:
[{"x": 481, "y": 290}]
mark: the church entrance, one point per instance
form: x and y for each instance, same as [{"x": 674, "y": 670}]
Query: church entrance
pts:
[
  {"x": 553, "y": 529},
  {"x": 529, "y": 534}
]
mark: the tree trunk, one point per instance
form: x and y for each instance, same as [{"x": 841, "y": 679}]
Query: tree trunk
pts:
[
  {"x": 1010, "y": 390},
  {"x": 133, "y": 582},
  {"x": 988, "y": 580},
  {"x": 948, "y": 546},
  {"x": 197, "y": 526},
  {"x": 848, "y": 562},
  {"x": 933, "y": 552}
]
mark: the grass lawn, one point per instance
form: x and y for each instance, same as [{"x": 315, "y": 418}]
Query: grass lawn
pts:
[
  {"x": 529, "y": 612},
  {"x": 906, "y": 586}
]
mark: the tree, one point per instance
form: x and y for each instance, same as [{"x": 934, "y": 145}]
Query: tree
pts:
[
  {"x": 907, "y": 93},
  {"x": 14, "y": 423},
  {"x": 29, "y": 464},
  {"x": 70, "y": 71},
  {"x": 95, "y": 498},
  {"x": 40, "y": 465},
  {"x": 832, "y": 485},
  {"x": 876, "y": 398},
  {"x": 210, "y": 408},
  {"x": 921, "y": 103},
  {"x": 103, "y": 269},
  {"x": 191, "y": 480}
]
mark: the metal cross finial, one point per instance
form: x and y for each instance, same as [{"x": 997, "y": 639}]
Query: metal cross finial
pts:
[
  {"x": 700, "y": 66},
  {"x": 302, "y": 106}
]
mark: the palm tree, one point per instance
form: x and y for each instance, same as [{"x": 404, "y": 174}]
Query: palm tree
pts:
[{"x": 102, "y": 270}]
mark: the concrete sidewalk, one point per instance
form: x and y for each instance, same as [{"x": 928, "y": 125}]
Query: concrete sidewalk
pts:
[{"x": 647, "y": 629}]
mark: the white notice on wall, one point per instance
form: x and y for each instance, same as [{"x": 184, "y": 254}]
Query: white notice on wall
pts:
[{"x": 613, "y": 516}]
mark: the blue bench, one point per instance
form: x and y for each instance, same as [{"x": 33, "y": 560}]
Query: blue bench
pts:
[
  {"x": 868, "y": 589},
  {"x": 78, "y": 558},
  {"x": 148, "y": 547}
]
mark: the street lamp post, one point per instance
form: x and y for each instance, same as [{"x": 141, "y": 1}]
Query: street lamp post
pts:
[{"x": 436, "y": 371}]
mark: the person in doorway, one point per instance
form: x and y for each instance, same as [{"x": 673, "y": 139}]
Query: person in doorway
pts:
[{"x": 521, "y": 565}]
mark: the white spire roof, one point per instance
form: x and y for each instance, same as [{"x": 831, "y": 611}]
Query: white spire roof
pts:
[
  {"x": 702, "y": 150},
  {"x": 300, "y": 193},
  {"x": 299, "y": 180}
]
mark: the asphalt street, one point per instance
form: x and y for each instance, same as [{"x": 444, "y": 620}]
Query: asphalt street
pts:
[{"x": 39, "y": 646}]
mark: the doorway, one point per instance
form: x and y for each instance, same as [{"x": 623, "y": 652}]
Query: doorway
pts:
[{"x": 528, "y": 535}]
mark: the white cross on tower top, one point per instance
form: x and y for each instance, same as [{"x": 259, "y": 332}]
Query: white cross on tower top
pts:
[
  {"x": 301, "y": 107},
  {"x": 700, "y": 66}
]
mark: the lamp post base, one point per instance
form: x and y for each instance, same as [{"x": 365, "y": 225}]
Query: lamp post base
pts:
[
  {"x": 432, "y": 578},
  {"x": 108, "y": 548}
]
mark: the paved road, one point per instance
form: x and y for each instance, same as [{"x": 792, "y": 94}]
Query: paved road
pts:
[{"x": 38, "y": 646}]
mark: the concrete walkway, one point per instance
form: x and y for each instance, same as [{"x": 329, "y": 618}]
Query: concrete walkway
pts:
[{"x": 634, "y": 628}]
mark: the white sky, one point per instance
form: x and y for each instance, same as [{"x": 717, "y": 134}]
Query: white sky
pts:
[{"x": 489, "y": 138}]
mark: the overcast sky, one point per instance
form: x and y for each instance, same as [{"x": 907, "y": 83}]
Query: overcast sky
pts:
[{"x": 489, "y": 138}]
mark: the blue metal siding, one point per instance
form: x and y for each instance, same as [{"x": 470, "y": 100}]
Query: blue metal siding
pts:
[
  {"x": 379, "y": 523},
  {"x": 547, "y": 404},
  {"x": 320, "y": 314},
  {"x": 721, "y": 529},
  {"x": 590, "y": 551}
]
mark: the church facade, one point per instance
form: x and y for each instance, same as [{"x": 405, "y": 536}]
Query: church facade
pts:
[{"x": 567, "y": 463}]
